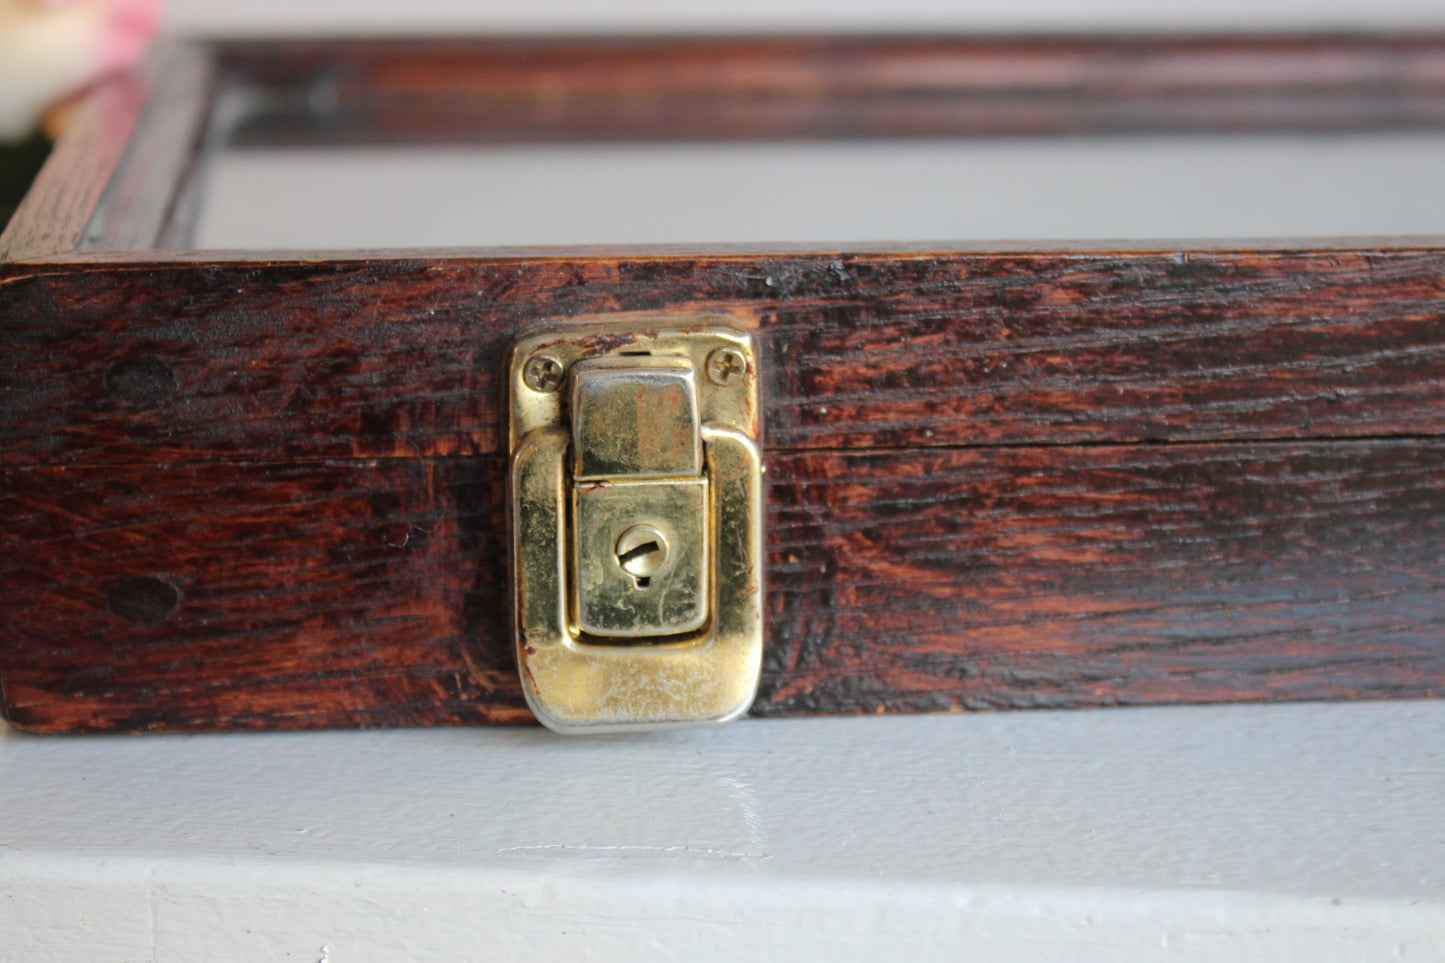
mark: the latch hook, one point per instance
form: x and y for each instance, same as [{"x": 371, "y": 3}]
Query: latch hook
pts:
[{"x": 636, "y": 511}]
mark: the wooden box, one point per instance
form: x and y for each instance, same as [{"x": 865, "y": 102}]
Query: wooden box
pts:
[{"x": 258, "y": 489}]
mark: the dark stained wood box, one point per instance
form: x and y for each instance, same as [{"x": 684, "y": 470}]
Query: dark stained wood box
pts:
[{"x": 265, "y": 489}]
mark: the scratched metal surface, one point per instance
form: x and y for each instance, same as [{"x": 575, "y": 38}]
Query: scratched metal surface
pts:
[{"x": 1187, "y": 833}]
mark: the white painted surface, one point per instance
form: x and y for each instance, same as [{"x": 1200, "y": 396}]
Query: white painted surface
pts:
[
  {"x": 1304, "y": 832},
  {"x": 858, "y": 191}
]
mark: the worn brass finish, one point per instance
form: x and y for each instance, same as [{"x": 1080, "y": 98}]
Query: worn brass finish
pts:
[
  {"x": 641, "y": 551},
  {"x": 641, "y": 601},
  {"x": 693, "y": 339},
  {"x": 637, "y": 526},
  {"x": 635, "y": 417},
  {"x": 726, "y": 365},
  {"x": 543, "y": 373}
]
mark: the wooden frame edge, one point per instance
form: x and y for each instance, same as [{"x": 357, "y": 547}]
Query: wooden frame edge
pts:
[{"x": 112, "y": 178}]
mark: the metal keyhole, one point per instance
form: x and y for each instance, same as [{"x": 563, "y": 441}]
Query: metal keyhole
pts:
[{"x": 641, "y": 550}]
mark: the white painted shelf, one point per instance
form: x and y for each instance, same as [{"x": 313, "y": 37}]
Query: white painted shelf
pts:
[{"x": 1292, "y": 832}]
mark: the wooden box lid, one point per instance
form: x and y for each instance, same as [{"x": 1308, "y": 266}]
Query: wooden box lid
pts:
[{"x": 264, "y": 488}]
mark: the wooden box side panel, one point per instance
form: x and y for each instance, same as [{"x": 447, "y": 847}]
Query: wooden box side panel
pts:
[
  {"x": 162, "y": 362},
  {"x": 256, "y": 596},
  {"x": 53, "y": 216},
  {"x": 371, "y": 593},
  {"x": 113, "y": 179},
  {"x": 245, "y": 493},
  {"x": 671, "y": 88}
]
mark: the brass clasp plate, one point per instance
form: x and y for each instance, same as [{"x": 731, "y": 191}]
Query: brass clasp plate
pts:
[{"x": 636, "y": 513}]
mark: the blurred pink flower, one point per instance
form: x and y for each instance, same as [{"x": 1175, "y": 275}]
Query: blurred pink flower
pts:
[{"x": 52, "y": 48}]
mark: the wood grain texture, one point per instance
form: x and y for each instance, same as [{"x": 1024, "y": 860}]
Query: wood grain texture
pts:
[
  {"x": 162, "y": 153},
  {"x": 662, "y": 88},
  {"x": 253, "y": 491},
  {"x": 1104, "y": 576},
  {"x": 53, "y": 216},
  {"x": 112, "y": 179},
  {"x": 368, "y": 593},
  {"x": 350, "y": 594},
  {"x": 400, "y": 357}
]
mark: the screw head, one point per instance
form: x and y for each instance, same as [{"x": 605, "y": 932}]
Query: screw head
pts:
[
  {"x": 641, "y": 550},
  {"x": 543, "y": 373},
  {"x": 726, "y": 366}
]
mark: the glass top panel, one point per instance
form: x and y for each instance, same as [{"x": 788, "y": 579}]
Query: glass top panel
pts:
[{"x": 1105, "y": 188}]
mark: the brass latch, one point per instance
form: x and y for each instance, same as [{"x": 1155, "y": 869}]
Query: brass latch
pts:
[{"x": 636, "y": 505}]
